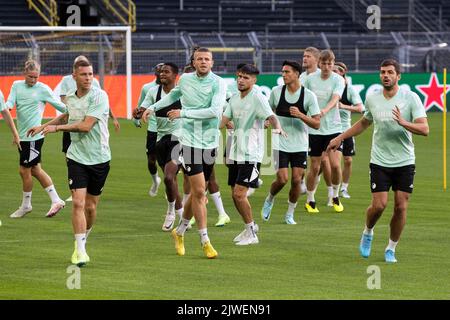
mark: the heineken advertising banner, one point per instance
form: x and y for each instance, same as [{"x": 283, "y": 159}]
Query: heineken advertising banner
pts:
[{"x": 429, "y": 86}]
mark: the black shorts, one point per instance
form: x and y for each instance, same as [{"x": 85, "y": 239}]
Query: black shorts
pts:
[
  {"x": 296, "y": 159},
  {"x": 348, "y": 147},
  {"x": 400, "y": 178},
  {"x": 319, "y": 144},
  {"x": 92, "y": 177},
  {"x": 31, "y": 153},
  {"x": 244, "y": 174},
  {"x": 196, "y": 160},
  {"x": 65, "y": 141},
  {"x": 151, "y": 142},
  {"x": 167, "y": 149}
]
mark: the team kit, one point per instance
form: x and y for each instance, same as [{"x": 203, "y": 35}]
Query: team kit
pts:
[{"x": 184, "y": 110}]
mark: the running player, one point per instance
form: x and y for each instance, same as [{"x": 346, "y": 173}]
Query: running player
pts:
[
  {"x": 151, "y": 132},
  {"x": 248, "y": 110},
  {"x": 202, "y": 96},
  {"x": 296, "y": 108},
  {"x": 167, "y": 145},
  {"x": 328, "y": 87},
  {"x": 350, "y": 102},
  {"x": 88, "y": 155},
  {"x": 29, "y": 96},
  {"x": 397, "y": 114}
]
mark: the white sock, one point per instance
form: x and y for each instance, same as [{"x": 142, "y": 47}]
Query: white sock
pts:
[
  {"x": 203, "y": 236},
  {"x": 218, "y": 202},
  {"x": 185, "y": 197},
  {"x": 52, "y": 194},
  {"x": 335, "y": 189},
  {"x": 344, "y": 186},
  {"x": 310, "y": 196},
  {"x": 391, "y": 245},
  {"x": 88, "y": 231},
  {"x": 155, "y": 178},
  {"x": 368, "y": 231},
  {"x": 270, "y": 197},
  {"x": 330, "y": 191},
  {"x": 181, "y": 229},
  {"x": 171, "y": 207},
  {"x": 179, "y": 213},
  {"x": 316, "y": 182},
  {"x": 26, "y": 199},
  {"x": 81, "y": 240},
  {"x": 250, "y": 227},
  {"x": 291, "y": 207}
]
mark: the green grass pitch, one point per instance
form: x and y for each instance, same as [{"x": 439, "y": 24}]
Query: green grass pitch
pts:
[{"x": 131, "y": 258}]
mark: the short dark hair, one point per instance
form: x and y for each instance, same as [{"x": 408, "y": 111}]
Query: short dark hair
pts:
[
  {"x": 249, "y": 69},
  {"x": 81, "y": 63},
  {"x": 293, "y": 64},
  {"x": 172, "y": 66},
  {"x": 391, "y": 62}
]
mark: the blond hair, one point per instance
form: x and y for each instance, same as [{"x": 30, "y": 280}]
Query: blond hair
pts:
[
  {"x": 327, "y": 55},
  {"x": 32, "y": 65}
]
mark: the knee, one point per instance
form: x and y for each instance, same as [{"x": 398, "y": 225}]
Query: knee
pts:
[
  {"x": 197, "y": 192},
  {"x": 239, "y": 195},
  {"x": 35, "y": 171},
  {"x": 78, "y": 204},
  {"x": 348, "y": 161},
  {"x": 90, "y": 208},
  {"x": 399, "y": 208},
  {"x": 379, "y": 206},
  {"x": 282, "y": 178},
  {"x": 296, "y": 180}
]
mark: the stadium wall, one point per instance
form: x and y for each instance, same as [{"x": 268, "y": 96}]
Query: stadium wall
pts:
[{"x": 429, "y": 87}]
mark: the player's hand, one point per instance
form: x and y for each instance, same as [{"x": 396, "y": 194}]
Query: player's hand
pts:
[
  {"x": 49, "y": 129},
  {"x": 116, "y": 125},
  {"x": 147, "y": 113},
  {"x": 280, "y": 132},
  {"x": 174, "y": 114},
  {"x": 137, "y": 122},
  {"x": 295, "y": 112},
  {"x": 229, "y": 125},
  {"x": 34, "y": 131},
  {"x": 396, "y": 114},
  {"x": 16, "y": 141},
  {"x": 323, "y": 112},
  {"x": 334, "y": 144},
  {"x": 137, "y": 112},
  {"x": 266, "y": 124}
]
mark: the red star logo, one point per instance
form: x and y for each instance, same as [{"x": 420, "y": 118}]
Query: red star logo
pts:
[{"x": 433, "y": 93}]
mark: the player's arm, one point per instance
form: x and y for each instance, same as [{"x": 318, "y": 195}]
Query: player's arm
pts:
[
  {"x": 419, "y": 126},
  {"x": 331, "y": 104},
  {"x": 168, "y": 99},
  {"x": 11, "y": 102},
  {"x": 59, "y": 120},
  {"x": 224, "y": 122},
  {"x": 115, "y": 121},
  {"x": 275, "y": 123},
  {"x": 50, "y": 98},
  {"x": 313, "y": 121},
  {"x": 81, "y": 126},
  {"x": 360, "y": 126},
  {"x": 216, "y": 108},
  {"x": 9, "y": 120},
  {"x": 353, "y": 108}
]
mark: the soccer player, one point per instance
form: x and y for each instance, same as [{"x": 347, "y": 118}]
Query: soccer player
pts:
[
  {"x": 350, "y": 102},
  {"x": 310, "y": 63},
  {"x": 328, "y": 87},
  {"x": 248, "y": 111},
  {"x": 29, "y": 96},
  {"x": 69, "y": 85},
  {"x": 88, "y": 155},
  {"x": 296, "y": 108},
  {"x": 212, "y": 185},
  {"x": 151, "y": 132},
  {"x": 167, "y": 145},
  {"x": 397, "y": 114},
  {"x": 203, "y": 95}
]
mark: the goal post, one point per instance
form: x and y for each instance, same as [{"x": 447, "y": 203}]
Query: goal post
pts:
[{"x": 109, "y": 49}]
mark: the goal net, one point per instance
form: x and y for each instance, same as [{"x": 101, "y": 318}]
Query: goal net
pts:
[{"x": 55, "y": 48}]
